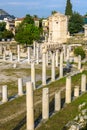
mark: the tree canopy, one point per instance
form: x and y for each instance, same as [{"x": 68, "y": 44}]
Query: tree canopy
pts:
[
  {"x": 75, "y": 23},
  {"x": 68, "y": 9},
  {"x": 53, "y": 12},
  {"x": 27, "y": 32},
  {"x": 79, "y": 51},
  {"x": 2, "y": 26}
]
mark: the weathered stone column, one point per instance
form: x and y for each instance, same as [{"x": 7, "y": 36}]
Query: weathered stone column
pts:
[
  {"x": 11, "y": 57},
  {"x": 1, "y": 49},
  {"x": 44, "y": 69},
  {"x": 76, "y": 91},
  {"x": 57, "y": 57},
  {"x": 20, "y": 87},
  {"x": 68, "y": 90},
  {"x": 30, "y": 106},
  {"x": 34, "y": 49},
  {"x": 64, "y": 51},
  {"x": 57, "y": 101},
  {"x": 61, "y": 65},
  {"x": 79, "y": 62},
  {"x": 4, "y": 56},
  {"x": 4, "y": 93},
  {"x": 68, "y": 53},
  {"x": 37, "y": 54},
  {"x": 53, "y": 67},
  {"x": 33, "y": 79},
  {"x": 45, "y": 104},
  {"x": 47, "y": 58},
  {"x": 83, "y": 83},
  {"x": 28, "y": 53},
  {"x": 18, "y": 52}
]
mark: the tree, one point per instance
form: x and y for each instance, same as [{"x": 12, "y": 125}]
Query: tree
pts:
[
  {"x": 68, "y": 10},
  {"x": 2, "y": 26},
  {"x": 28, "y": 20},
  {"x": 53, "y": 12},
  {"x": 79, "y": 51},
  {"x": 75, "y": 23},
  {"x": 7, "y": 34},
  {"x": 27, "y": 34}
]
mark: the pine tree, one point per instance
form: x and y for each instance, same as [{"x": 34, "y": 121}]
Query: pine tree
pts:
[{"x": 68, "y": 10}]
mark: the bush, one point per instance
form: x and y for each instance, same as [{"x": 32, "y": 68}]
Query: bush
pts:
[{"x": 79, "y": 51}]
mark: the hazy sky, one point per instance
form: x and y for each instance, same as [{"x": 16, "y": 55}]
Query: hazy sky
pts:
[{"x": 42, "y": 8}]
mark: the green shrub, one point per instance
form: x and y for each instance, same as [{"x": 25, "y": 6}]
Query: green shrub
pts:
[{"x": 79, "y": 51}]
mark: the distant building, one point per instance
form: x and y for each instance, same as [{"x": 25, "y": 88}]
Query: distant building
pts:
[
  {"x": 45, "y": 25},
  {"x": 18, "y": 21}
]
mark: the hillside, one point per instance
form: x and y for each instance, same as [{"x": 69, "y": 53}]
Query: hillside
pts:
[{"x": 4, "y": 14}]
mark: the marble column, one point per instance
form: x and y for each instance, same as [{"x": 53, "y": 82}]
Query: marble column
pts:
[
  {"x": 76, "y": 91},
  {"x": 57, "y": 58},
  {"x": 83, "y": 83},
  {"x": 68, "y": 90},
  {"x": 28, "y": 53},
  {"x": 29, "y": 106},
  {"x": 34, "y": 49},
  {"x": 33, "y": 78},
  {"x": 37, "y": 54},
  {"x": 47, "y": 58},
  {"x": 11, "y": 57},
  {"x": 18, "y": 52},
  {"x": 64, "y": 51},
  {"x": 79, "y": 62},
  {"x": 44, "y": 69},
  {"x": 68, "y": 53},
  {"x": 4, "y": 94},
  {"x": 45, "y": 104},
  {"x": 57, "y": 101},
  {"x": 20, "y": 87},
  {"x": 61, "y": 65},
  {"x": 4, "y": 56},
  {"x": 53, "y": 67},
  {"x": 1, "y": 49}
]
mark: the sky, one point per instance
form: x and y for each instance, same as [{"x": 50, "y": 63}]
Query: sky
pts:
[{"x": 41, "y": 8}]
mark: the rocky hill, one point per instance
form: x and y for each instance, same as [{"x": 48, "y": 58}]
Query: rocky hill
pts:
[{"x": 4, "y": 14}]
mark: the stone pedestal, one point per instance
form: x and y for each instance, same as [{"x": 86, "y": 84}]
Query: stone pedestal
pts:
[
  {"x": 33, "y": 79},
  {"x": 79, "y": 62},
  {"x": 57, "y": 101},
  {"x": 57, "y": 58},
  {"x": 30, "y": 106},
  {"x": 53, "y": 67},
  {"x": 20, "y": 87},
  {"x": 18, "y": 52},
  {"x": 28, "y": 53},
  {"x": 61, "y": 65},
  {"x": 68, "y": 90},
  {"x": 44, "y": 69},
  {"x": 83, "y": 83},
  {"x": 45, "y": 104},
  {"x": 76, "y": 91},
  {"x": 4, "y": 94}
]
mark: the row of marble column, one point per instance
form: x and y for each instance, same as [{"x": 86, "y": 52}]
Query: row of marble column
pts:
[
  {"x": 45, "y": 99},
  {"x": 4, "y": 90}
]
